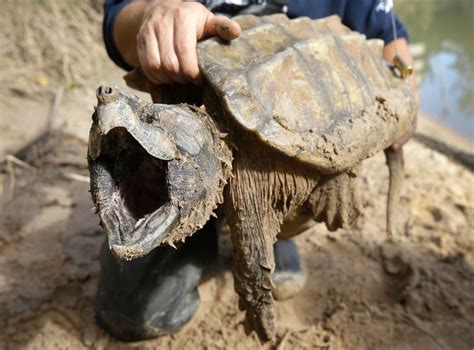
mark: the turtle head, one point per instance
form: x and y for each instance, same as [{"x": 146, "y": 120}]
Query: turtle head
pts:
[{"x": 157, "y": 171}]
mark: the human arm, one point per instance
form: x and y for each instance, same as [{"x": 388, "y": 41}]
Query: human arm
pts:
[{"x": 161, "y": 36}]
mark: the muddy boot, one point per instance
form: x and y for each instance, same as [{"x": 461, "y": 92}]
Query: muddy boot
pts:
[
  {"x": 156, "y": 294},
  {"x": 289, "y": 276}
]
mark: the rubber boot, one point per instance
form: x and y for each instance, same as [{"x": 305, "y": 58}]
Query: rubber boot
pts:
[
  {"x": 289, "y": 276},
  {"x": 156, "y": 294}
]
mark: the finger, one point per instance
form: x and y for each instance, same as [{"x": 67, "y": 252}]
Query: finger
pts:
[
  {"x": 169, "y": 60},
  {"x": 185, "y": 38},
  {"x": 401, "y": 141},
  {"x": 397, "y": 145},
  {"x": 149, "y": 56},
  {"x": 405, "y": 137},
  {"x": 136, "y": 79},
  {"x": 221, "y": 26}
]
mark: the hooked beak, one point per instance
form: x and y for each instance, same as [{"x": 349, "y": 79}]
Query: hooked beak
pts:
[{"x": 114, "y": 110}]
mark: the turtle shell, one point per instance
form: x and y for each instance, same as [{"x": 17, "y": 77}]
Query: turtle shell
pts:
[{"x": 311, "y": 89}]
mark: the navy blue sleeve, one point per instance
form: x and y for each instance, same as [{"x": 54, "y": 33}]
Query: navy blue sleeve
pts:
[
  {"x": 374, "y": 19},
  {"x": 315, "y": 9},
  {"x": 111, "y": 10},
  {"x": 370, "y": 17}
]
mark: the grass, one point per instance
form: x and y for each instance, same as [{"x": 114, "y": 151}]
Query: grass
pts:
[{"x": 49, "y": 42}]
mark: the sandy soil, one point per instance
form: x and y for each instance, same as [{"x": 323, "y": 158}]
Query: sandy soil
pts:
[{"x": 363, "y": 292}]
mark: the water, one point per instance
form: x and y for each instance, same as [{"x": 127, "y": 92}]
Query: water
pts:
[{"x": 445, "y": 29}]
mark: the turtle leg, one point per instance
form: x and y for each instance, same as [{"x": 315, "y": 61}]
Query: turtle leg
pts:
[
  {"x": 336, "y": 200},
  {"x": 395, "y": 167},
  {"x": 254, "y": 226}
]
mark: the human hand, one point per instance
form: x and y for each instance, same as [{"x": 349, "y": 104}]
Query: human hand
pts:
[
  {"x": 400, "y": 47},
  {"x": 167, "y": 38},
  {"x": 398, "y": 144},
  {"x": 412, "y": 129}
]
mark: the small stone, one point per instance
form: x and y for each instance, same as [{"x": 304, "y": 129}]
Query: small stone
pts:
[{"x": 89, "y": 335}]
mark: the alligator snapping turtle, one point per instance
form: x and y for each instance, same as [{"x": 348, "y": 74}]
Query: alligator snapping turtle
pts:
[{"x": 290, "y": 109}]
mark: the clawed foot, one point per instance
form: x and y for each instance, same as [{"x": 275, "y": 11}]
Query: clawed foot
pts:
[{"x": 259, "y": 318}]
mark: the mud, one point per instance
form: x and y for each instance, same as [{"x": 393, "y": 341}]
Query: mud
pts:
[{"x": 363, "y": 291}]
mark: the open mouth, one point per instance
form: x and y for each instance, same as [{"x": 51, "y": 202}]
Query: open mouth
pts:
[{"x": 131, "y": 192}]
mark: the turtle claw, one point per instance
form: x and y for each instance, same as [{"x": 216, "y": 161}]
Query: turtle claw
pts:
[{"x": 261, "y": 319}]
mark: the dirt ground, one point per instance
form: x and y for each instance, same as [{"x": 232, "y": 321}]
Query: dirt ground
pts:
[{"x": 363, "y": 292}]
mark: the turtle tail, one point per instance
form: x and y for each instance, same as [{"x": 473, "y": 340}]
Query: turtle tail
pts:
[{"x": 395, "y": 165}]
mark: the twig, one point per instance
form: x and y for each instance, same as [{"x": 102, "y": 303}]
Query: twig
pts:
[
  {"x": 37, "y": 146},
  {"x": 11, "y": 158},
  {"x": 78, "y": 164},
  {"x": 11, "y": 173},
  {"x": 303, "y": 329},
  {"x": 77, "y": 177},
  {"x": 281, "y": 344}
]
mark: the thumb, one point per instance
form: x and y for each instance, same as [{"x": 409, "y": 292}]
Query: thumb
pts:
[{"x": 221, "y": 26}]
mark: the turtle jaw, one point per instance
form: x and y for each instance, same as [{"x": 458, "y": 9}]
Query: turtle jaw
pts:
[
  {"x": 130, "y": 190},
  {"x": 151, "y": 230}
]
